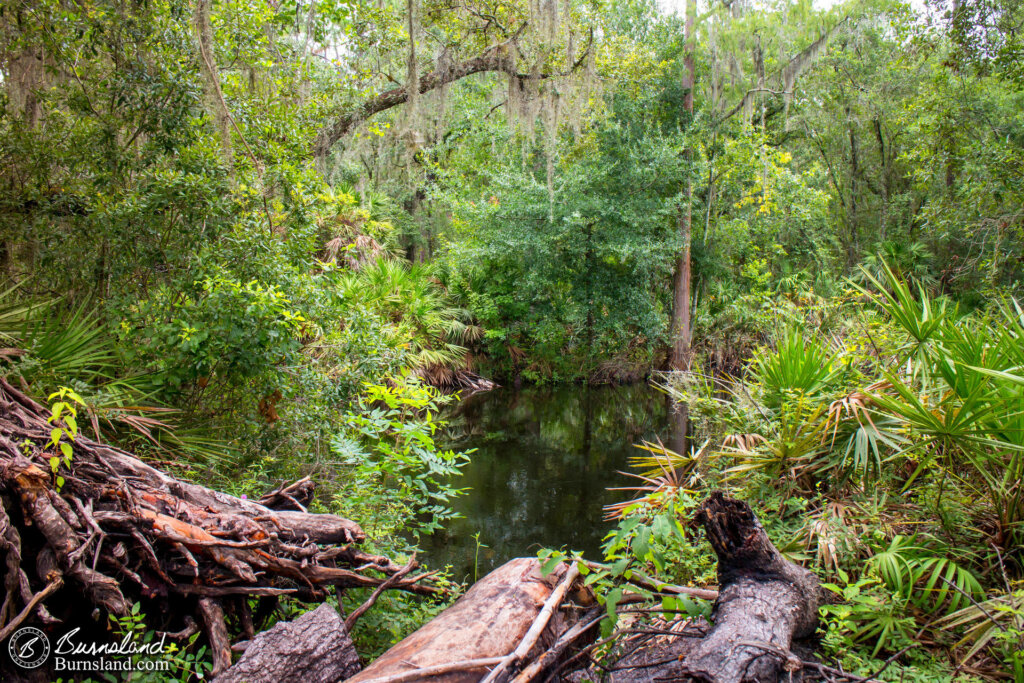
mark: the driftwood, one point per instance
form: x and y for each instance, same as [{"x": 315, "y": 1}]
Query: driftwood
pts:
[
  {"x": 764, "y": 602},
  {"x": 295, "y": 496},
  {"x": 117, "y": 530},
  {"x": 505, "y": 619},
  {"x": 315, "y": 648}
]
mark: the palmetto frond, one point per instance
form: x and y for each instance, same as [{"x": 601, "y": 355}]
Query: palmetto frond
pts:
[{"x": 664, "y": 471}]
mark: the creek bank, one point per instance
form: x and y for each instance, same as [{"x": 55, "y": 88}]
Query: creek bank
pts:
[
  {"x": 519, "y": 624},
  {"x": 114, "y": 531}
]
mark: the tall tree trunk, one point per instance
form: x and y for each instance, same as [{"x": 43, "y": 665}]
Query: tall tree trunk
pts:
[
  {"x": 589, "y": 274},
  {"x": 679, "y": 421},
  {"x": 682, "y": 327},
  {"x": 853, "y": 253},
  {"x": 218, "y": 107}
]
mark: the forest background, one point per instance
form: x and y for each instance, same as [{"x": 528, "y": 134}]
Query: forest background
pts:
[{"x": 256, "y": 239}]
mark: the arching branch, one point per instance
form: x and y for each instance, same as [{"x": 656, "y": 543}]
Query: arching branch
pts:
[
  {"x": 789, "y": 72},
  {"x": 497, "y": 58}
]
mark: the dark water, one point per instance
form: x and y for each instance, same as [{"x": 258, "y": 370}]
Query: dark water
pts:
[{"x": 544, "y": 461}]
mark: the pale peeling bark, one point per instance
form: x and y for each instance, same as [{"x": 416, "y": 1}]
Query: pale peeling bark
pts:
[{"x": 486, "y": 624}]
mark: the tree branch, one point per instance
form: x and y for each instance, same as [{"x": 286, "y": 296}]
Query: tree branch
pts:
[
  {"x": 794, "y": 62},
  {"x": 497, "y": 58}
]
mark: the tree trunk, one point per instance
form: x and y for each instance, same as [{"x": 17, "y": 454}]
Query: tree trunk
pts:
[
  {"x": 479, "y": 630},
  {"x": 208, "y": 67},
  {"x": 682, "y": 327},
  {"x": 764, "y": 601},
  {"x": 315, "y": 648}
]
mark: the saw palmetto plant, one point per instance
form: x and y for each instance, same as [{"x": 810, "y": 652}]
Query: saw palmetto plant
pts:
[
  {"x": 52, "y": 348},
  {"x": 996, "y": 621},
  {"x": 414, "y": 303},
  {"x": 661, "y": 470},
  {"x": 859, "y": 444}
]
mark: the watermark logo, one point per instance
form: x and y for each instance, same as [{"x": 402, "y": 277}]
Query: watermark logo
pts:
[{"x": 29, "y": 647}]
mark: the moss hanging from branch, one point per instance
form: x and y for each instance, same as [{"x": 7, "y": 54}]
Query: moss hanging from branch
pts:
[
  {"x": 785, "y": 77},
  {"x": 525, "y": 48}
]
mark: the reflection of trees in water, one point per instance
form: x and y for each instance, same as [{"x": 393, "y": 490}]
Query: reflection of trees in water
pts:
[
  {"x": 679, "y": 426},
  {"x": 544, "y": 461},
  {"x": 560, "y": 418}
]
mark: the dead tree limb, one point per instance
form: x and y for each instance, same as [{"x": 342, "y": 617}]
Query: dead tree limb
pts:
[
  {"x": 553, "y": 653},
  {"x": 55, "y": 583},
  {"x": 216, "y": 633},
  {"x": 361, "y": 610},
  {"x": 115, "y": 529},
  {"x": 763, "y": 599}
]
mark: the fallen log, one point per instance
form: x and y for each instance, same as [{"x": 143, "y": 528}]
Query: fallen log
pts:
[
  {"x": 500, "y": 673},
  {"x": 493, "y": 634},
  {"x": 506, "y": 618},
  {"x": 764, "y": 601},
  {"x": 315, "y": 648},
  {"x": 110, "y": 529}
]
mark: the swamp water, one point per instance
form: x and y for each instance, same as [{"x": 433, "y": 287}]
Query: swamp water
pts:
[{"x": 544, "y": 460}]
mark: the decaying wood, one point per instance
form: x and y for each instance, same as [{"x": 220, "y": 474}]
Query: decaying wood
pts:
[
  {"x": 119, "y": 529},
  {"x": 483, "y": 628},
  {"x": 55, "y": 582},
  {"x": 553, "y": 653},
  {"x": 500, "y": 673},
  {"x": 295, "y": 496},
  {"x": 501, "y": 624},
  {"x": 216, "y": 633},
  {"x": 765, "y": 601},
  {"x": 315, "y": 648}
]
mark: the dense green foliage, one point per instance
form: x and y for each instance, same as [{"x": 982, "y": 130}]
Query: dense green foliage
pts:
[
  {"x": 182, "y": 249},
  {"x": 885, "y": 452}
]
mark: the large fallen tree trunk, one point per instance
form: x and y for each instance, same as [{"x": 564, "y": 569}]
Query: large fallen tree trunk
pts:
[
  {"x": 509, "y": 616},
  {"x": 111, "y": 528},
  {"x": 764, "y": 601}
]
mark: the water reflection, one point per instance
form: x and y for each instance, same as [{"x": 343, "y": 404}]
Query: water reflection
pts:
[{"x": 545, "y": 459}]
